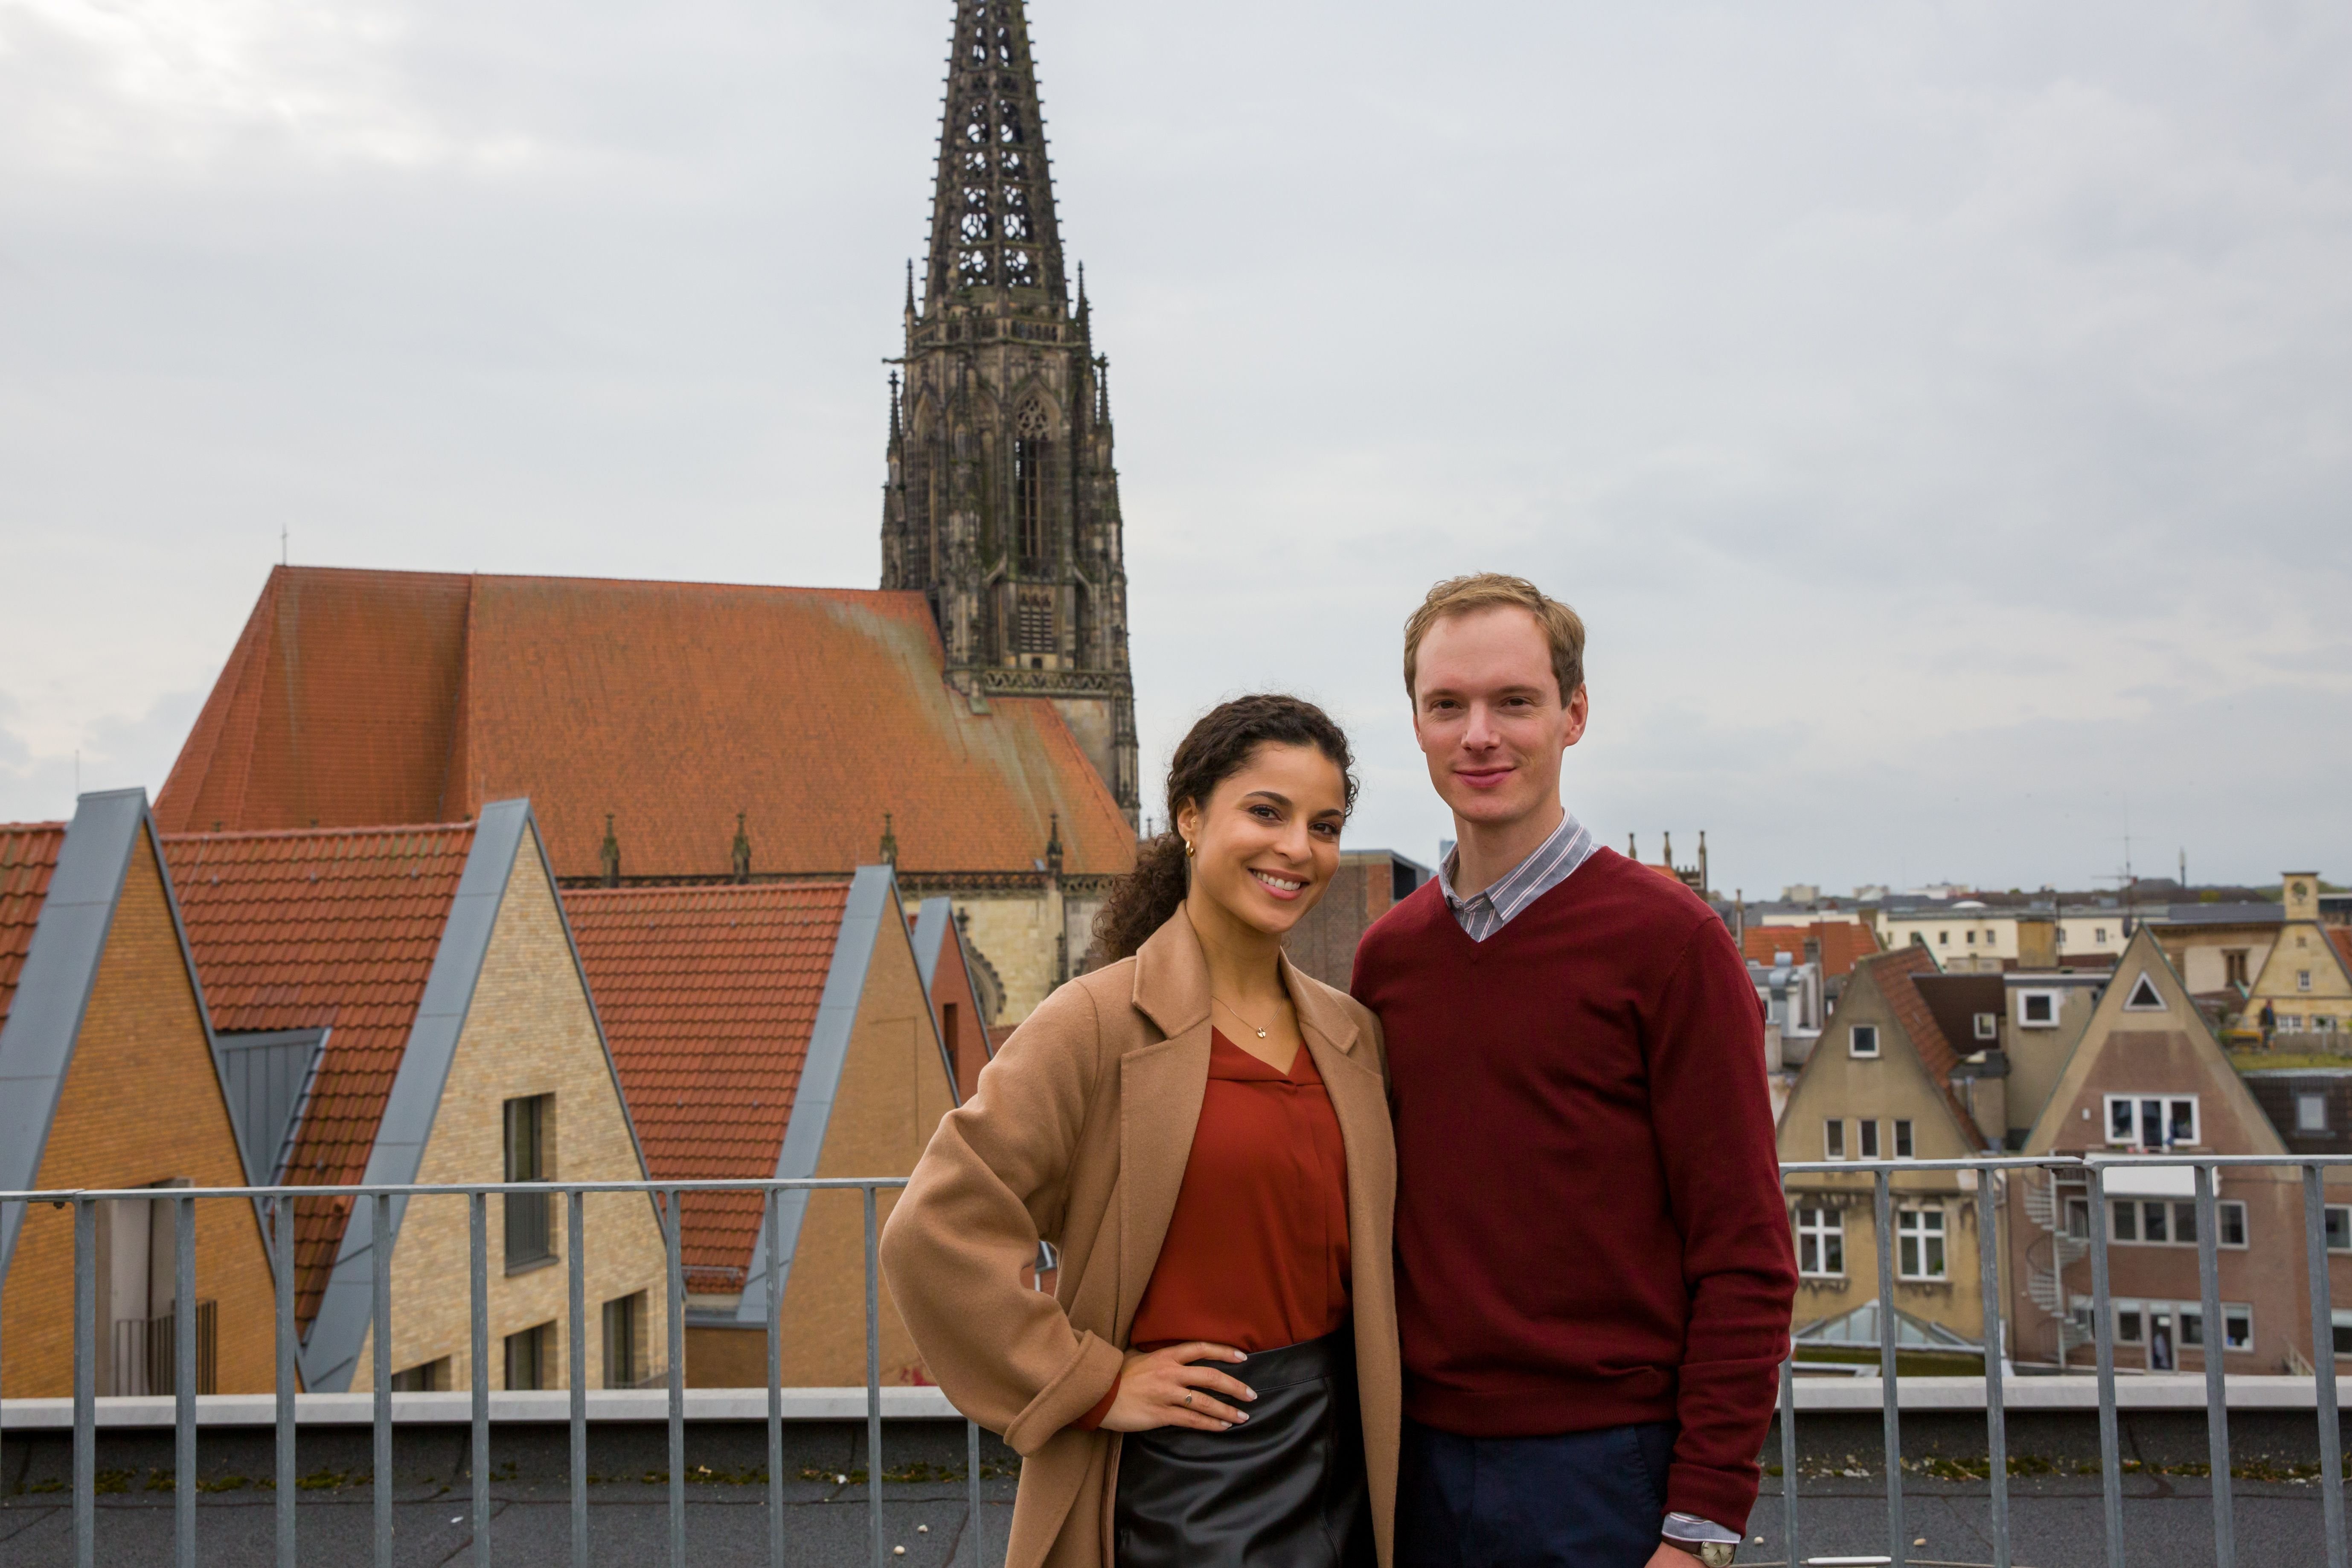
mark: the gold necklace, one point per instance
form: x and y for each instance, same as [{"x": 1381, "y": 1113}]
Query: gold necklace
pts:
[{"x": 1235, "y": 1011}]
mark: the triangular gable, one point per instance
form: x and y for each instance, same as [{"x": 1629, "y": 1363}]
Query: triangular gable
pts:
[
  {"x": 2144, "y": 957},
  {"x": 75, "y": 916},
  {"x": 506, "y": 831},
  {"x": 872, "y": 916},
  {"x": 1886, "y": 977}
]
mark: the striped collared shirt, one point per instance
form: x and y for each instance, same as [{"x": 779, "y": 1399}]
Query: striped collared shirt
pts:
[{"x": 1553, "y": 863}]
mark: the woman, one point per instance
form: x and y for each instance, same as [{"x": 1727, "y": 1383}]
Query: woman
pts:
[{"x": 1202, "y": 1132}]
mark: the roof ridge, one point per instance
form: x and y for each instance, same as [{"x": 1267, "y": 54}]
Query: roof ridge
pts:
[{"x": 249, "y": 833}]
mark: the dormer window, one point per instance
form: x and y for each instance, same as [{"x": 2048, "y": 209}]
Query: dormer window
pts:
[
  {"x": 1987, "y": 1026},
  {"x": 1864, "y": 1040}
]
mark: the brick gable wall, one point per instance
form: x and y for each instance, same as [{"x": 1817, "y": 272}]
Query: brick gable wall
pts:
[{"x": 142, "y": 1104}]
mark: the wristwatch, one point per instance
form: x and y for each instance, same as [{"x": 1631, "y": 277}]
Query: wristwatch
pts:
[{"x": 1702, "y": 1538}]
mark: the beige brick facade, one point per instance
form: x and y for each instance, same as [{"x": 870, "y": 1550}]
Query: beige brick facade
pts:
[
  {"x": 529, "y": 1031},
  {"x": 142, "y": 1104}
]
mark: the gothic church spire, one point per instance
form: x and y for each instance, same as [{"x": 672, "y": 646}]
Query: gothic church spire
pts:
[
  {"x": 992, "y": 219},
  {"x": 1000, "y": 503}
]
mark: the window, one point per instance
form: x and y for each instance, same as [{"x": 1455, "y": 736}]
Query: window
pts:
[
  {"x": 2340, "y": 1325},
  {"x": 1903, "y": 1140},
  {"x": 1943, "y": 938},
  {"x": 2037, "y": 1010},
  {"x": 432, "y": 1376},
  {"x": 2237, "y": 1326},
  {"x": 1987, "y": 1026},
  {"x": 2311, "y": 1112},
  {"x": 1029, "y": 496},
  {"x": 2129, "y": 1324},
  {"x": 2233, "y": 965},
  {"x": 1972, "y": 938},
  {"x": 2158, "y": 1222},
  {"x": 1869, "y": 1139},
  {"x": 2149, "y": 1123},
  {"x": 1864, "y": 1040},
  {"x": 2144, "y": 997},
  {"x": 2078, "y": 1218},
  {"x": 2099, "y": 935},
  {"x": 2338, "y": 1225},
  {"x": 1821, "y": 1241},
  {"x": 2303, "y": 980},
  {"x": 1919, "y": 1243},
  {"x": 529, "y": 1238},
  {"x": 624, "y": 1328},
  {"x": 1833, "y": 1139},
  {"x": 530, "y": 1357}
]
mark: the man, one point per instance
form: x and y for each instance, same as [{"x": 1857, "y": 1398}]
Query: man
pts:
[{"x": 1594, "y": 1273}]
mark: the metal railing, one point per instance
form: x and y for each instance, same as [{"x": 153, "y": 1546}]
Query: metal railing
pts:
[
  {"x": 280, "y": 1217},
  {"x": 2093, "y": 1169},
  {"x": 183, "y": 1359}
]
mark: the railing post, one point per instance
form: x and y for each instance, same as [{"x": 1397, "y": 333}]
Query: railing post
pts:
[
  {"x": 774, "y": 1202},
  {"x": 1788, "y": 1455},
  {"x": 2217, "y": 1350},
  {"x": 380, "y": 1276},
  {"x": 287, "y": 1378},
  {"x": 2323, "y": 1362},
  {"x": 85, "y": 1383},
  {"x": 576, "y": 1244},
  {"x": 477, "y": 1381},
  {"x": 183, "y": 1381},
  {"x": 676, "y": 1316},
  {"x": 2103, "y": 1335},
  {"x": 1996, "y": 1417},
  {"x": 1898, "y": 1544},
  {"x": 873, "y": 1385}
]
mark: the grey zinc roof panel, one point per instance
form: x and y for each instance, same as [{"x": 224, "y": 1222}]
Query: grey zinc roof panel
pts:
[{"x": 53, "y": 989}]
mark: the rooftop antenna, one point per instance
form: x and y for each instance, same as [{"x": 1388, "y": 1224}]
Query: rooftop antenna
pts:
[{"x": 282, "y": 556}]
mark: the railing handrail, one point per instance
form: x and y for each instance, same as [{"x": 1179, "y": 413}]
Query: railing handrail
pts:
[{"x": 463, "y": 1189}]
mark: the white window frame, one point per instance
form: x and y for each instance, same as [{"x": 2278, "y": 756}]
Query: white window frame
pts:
[
  {"x": 2177, "y": 1218},
  {"x": 2185, "y": 1314},
  {"x": 2165, "y": 1104},
  {"x": 1919, "y": 1242},
  {"x": 1868, "y": 1146},
  {"x": 2310, "y": 1111},
  {"x": 1987, "y": 1026},
  {"x": 1834, "y": 1138},
  {"x": 1859, "y": 1033},
  {"x": 2336, "y": 1226},
  {"x": 2303, "y": 980},
  {"x": 2339, "y": 1324},
  {"x": 1906, "y": 1146},
  {"x": 2144, "y": 981},
  {"x": 1824, "y": 1228},
  {"x": 2025, "y": 1000}
]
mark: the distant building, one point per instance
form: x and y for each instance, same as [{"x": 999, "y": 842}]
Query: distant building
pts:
[
  {"x": 1885, "y": 1084},
  {"x": 416, "y": 993},
  {"x": 776, "y": 1030},
  {"x": 964, "y": 995},
  {"x": 1370, "y": 883},
  {"x": 110, "y": 1082},
  {"x": 1794, "y": 1008},
  {"x": 2301, "y": 997},
  {"x": 2219, "y": 948},
  {"x": 2149, "y": 1076},
  {"x": 1837, "y": 945}
]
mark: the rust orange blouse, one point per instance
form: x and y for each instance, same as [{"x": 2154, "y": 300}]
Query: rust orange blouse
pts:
[{"x": 1256, "y": 1251}]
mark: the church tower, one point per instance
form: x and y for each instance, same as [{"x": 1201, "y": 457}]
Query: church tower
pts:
[{"x": 1001, "y": 502}]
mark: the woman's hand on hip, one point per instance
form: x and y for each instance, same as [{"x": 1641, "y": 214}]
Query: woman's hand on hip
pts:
[{"x": 1161, "y": 1389}]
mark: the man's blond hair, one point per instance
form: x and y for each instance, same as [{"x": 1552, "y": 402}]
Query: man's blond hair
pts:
[{"x": 1562, "y": 628}]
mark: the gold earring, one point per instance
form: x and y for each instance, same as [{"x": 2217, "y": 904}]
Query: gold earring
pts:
[{"x": 1188, "y": 849}]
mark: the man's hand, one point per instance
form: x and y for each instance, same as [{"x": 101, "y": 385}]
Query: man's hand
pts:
[{"x": 1161, "y": 1390}]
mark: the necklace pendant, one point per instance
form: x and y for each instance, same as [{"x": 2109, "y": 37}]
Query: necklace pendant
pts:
[{"x": 1260, "y": 1034}]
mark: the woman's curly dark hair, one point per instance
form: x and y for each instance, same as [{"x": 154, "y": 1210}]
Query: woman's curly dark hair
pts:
[{"x": 1218, "y": 746}]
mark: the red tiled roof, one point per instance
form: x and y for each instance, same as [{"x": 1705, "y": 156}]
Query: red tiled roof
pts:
[
  {"x": 360, "y": 697},
  {"x": 1845, "y": 942},
  {"x": 29, "y": 856},
  {"x": 333, "y": 928},
  {"x": 708, "y": 997},
  {"x": 1893, "y": 972},
  {"x": 2339, "y": 936}
]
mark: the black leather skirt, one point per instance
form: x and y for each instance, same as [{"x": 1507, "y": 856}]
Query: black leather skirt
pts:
[{"x": 1283, "y": 1489}]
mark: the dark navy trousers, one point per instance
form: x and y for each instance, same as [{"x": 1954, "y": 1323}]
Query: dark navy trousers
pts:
[{"x": 1580, "y": 1500}]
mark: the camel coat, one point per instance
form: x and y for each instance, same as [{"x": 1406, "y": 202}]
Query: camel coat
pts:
[{"x": 1078, "y": 1135}]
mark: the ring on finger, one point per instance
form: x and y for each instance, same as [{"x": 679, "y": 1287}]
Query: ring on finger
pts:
[{"x": 1188, "y": 1401}]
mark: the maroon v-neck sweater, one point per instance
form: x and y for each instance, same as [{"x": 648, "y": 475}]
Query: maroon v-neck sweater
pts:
[{"x": 1589, "y": 1223}]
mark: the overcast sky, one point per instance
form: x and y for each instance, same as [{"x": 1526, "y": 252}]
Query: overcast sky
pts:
[{"x": 1942, "y": 415}]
